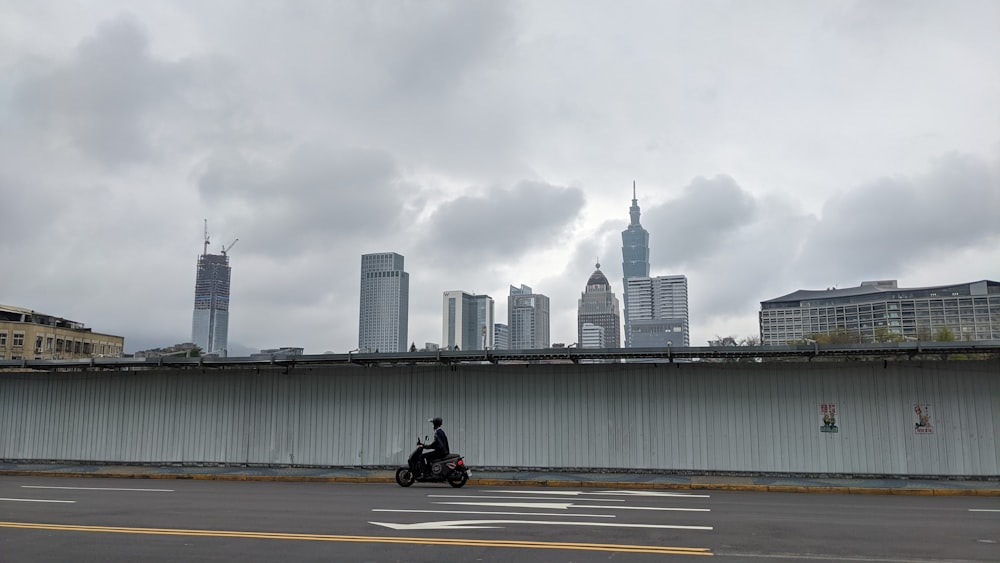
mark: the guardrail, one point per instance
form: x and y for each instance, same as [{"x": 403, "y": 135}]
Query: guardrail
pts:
[{"x": 547, "y": 355}]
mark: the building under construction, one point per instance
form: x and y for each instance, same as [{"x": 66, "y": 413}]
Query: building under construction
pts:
[{"x": 210, "y": 324}]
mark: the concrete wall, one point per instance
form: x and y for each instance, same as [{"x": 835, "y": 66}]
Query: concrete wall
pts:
[{"x": 682, "y": 417}]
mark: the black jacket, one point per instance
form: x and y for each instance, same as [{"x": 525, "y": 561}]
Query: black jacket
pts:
[{"x": 440, "y": 443}]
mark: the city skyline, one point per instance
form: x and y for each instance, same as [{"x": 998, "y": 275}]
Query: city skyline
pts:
[{"x": 773, "y": 146}]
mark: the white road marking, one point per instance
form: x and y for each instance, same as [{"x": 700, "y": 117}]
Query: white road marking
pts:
[
  {"x": 497, "y": 513},
  {"x": 568, "y": 505},
  {"x": 983, "y": 510},
  {"x": 37, "y": 500},
  {"x": 484, "y": 524},
  {"x": 616, "y": 493},
  {"x": 521, "y": 498},
  {"x": 97, "y": 489}
]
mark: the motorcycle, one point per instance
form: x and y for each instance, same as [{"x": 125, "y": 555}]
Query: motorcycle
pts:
[{"x": 451, "y": 468}]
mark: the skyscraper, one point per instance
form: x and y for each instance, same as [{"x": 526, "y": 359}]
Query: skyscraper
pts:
[
  {"x": 210, "y": 322},
  {"x": 527, "y": 319},
  {"x": 468, "y": 321},
  {"x": 592, "y": 336},
  {"x": 635, "y": 258},
  {"x": 599, "y": 306},
  {"x": 501, "y": 337},
  {"x": 385, "y": 303},
  {"x": 658, "y": 311}
]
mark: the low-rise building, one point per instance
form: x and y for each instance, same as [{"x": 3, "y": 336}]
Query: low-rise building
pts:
[
  {"x": 28, "y": 334},
  {"x": 880, "y": 311}
]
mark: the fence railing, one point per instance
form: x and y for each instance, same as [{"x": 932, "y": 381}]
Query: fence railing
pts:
[{"x": 809, "y": 351}]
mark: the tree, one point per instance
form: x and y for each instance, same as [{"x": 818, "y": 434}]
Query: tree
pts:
[
  {"x": 883, "y": 334},
  {"x": 944, "y": 334},
  {"x": 413, "y": 346}
]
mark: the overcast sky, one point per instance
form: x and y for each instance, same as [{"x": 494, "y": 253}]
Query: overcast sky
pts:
[{"x": 775, "y": 146}]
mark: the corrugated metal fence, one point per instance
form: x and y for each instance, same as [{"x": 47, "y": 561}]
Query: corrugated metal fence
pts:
[{"x": 680, "y": 417}]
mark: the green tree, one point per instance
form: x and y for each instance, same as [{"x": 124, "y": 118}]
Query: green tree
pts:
[
  {"x": 883, "y": 334},
  {"x": 944, "y": 334}
]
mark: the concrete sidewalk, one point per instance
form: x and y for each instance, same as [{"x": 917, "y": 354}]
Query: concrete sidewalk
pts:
[{"x": 843, "y": 485}]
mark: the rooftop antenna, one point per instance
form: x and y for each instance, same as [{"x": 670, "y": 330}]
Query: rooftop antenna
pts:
[
  {"x": 633, "y": 189},
  {"x": 205, "y": 251}
]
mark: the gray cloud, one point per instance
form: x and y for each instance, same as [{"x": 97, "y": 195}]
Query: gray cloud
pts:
[
  {"x": 706, "y": 216},
  {"x": 104, "y": 96},
  {"x": 878, "y": 229},
  {"x": 501, "y": 223},
  {"x": 315, "y": 198}
]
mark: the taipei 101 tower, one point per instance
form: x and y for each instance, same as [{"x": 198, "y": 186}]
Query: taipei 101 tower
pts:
[
  {"x": 635, "y": 258},
  {"x": 210, "y": 324}
]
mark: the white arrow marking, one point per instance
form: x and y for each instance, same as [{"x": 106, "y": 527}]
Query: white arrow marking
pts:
[
  {"x": 483, "y": 524},
  {"x": 37, "y": 500},
  {"x": 497, "y": 513},
  {"x": 648, "y": 494},
  {"x": 568, "y": 505},
  {"x": 616, "y": 493},
  {"x": 521, "y": 498},
  {"x": 97, "y": 489}
]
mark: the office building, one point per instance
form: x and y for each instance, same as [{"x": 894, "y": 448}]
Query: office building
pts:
[
  {"x": 29, "y": 335},
  {"x": 635, "y": 258},
  {"x": 527, "y": 319},
  {"x": 468, "y": 321},
  {"x": 880, "y": 311},
  {"x": 501, "y": 337},
  {"x": 599, "y": 306},
  {"x": 658, "y": 309},
  {"x": 592, "y": 336},
  {"x": 383, "y": 318},
  {"x": 210, "y": 321}
]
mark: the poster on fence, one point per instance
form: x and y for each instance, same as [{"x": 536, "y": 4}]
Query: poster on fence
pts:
[
  {"x": 828, "y": 416},
  {"x": 922, "y": 419}
]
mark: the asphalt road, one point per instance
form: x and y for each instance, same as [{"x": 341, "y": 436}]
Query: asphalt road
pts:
[{"x": 62, "y": 519}]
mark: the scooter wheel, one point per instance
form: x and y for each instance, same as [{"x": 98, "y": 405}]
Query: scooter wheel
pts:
[
  {"x": 458, "y": 479},
  {"x": 405, "y": 477}
]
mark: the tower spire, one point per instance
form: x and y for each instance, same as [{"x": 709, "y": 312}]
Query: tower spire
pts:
[{"x": 634, "y": 210}]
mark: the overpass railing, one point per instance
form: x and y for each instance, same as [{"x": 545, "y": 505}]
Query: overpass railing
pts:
[{"x": 909, "y": 349}]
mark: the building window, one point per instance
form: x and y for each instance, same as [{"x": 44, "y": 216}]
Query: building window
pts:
[
  {"x": 48, "y": 344},
  {"x": 38, "y": 344},
  {"x": 18, "y": 339},
  {"x": 3, "y": 338}
]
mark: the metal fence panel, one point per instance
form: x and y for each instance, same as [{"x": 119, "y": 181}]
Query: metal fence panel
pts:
[{"x": 682, "y": 417}]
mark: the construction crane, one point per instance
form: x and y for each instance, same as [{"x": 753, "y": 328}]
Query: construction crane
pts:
[
  {"x": 204, "y": 252},
  {"x": 226, "y": 249}
]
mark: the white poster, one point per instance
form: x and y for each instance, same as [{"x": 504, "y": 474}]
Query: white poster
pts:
[{"x": 922, "y": 419}]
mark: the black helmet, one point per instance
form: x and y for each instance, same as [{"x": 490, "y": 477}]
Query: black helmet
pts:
[{"x": 436, "y": 421}]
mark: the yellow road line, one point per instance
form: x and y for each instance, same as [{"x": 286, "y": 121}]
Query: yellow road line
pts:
[{"x": 624, "y": 548}]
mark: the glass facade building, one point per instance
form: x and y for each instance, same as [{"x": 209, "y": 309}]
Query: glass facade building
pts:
[
  {"x": 383, "y": 318},
  {"x": 880, "y": 311},
  {"x": 635, "y": 257},
  {"x": 210, "y": 323},
  {"x": 658, "y": 309},
  {"x": 527, "y": 319},
  {"x": 468, "y": 321}
]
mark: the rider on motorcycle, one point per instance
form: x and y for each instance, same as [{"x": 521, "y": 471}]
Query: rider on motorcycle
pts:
[{"x": 438, "y": 449}]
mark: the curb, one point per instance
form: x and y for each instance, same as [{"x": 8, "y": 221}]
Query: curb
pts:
[{"x": 494, "y": 482}]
